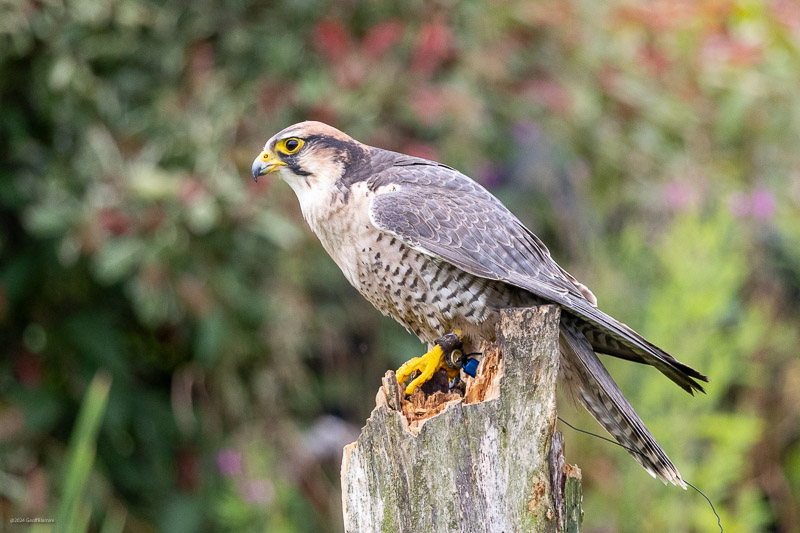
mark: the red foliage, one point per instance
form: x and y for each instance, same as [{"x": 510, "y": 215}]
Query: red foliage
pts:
[
  {"x": 187, "y": 464},
  {"x": 201, "y": 62},
  {"x": 332, "y": 39},
  {"x": 323, "y": 112},
  {"x": 190, "y": 191},
  {"x": 113, "y": 221},
  {"x": 787, "y": 12},
  {"x": 674, "y": 14},
  {"x": 28, "y": 368},
  {"x": 382, "y": 37},
  {"x": 550, "y": 94},
  {"x": 548, "y": 12},
  {"x": 654, "y": 60},
  {"x": 153, "y": 218},
  {"x": 433, "y": 45},
  {"x": 275, "y": 95},
  {"x": 419, "y": 149},
  {"x": 724, "y": 49},
  {"x": 429, "y": 104}
]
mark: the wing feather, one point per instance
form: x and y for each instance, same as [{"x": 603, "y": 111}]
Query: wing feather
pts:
[{"x": 443, "y": 213}]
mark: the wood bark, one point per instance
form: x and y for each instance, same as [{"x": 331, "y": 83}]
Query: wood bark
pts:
[{"x": 486, "y": 460}]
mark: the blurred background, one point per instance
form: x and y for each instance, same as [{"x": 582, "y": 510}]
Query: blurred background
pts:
[{"x": 218, "y": 358}]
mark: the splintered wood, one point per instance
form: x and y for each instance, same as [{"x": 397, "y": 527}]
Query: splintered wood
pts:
[
  {"x": 435, "y": 396},
  {"x": 486, "y": 385},
  {"x": 471, "y": 459},
  {"x": 419, "y": 407}
]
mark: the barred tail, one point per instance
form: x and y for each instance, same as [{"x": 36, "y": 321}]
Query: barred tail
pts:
[{"x": 591, "y": 383}]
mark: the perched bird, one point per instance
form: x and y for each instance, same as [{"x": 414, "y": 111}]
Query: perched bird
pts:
[{"x": 437, "y": 252}]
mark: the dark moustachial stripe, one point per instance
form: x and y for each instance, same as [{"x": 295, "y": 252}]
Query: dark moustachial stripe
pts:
[
  {"x": 295, "y": 167},
  {"x": 293, "y": 164}
]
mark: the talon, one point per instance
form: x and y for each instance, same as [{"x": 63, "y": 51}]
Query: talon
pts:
[
  {"x": 428, "y": 364},
  {"x": 450, "y": 358}
]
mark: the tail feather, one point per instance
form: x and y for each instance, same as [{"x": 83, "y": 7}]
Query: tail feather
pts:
[
  {"x": 593, "y": 386},
  {"x": 608, "y": 335}
]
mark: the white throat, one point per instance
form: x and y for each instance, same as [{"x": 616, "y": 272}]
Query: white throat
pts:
[{"x": 315, "y": 194}]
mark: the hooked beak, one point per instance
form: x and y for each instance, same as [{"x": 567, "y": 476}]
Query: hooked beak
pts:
[{"x": 264, "y": 164}]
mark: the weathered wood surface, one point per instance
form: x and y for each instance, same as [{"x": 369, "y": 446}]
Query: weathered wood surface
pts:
[{"x": 483, "y": 466}]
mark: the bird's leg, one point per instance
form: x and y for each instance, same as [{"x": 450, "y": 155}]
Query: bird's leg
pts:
[{"x": 446, "y": 353}]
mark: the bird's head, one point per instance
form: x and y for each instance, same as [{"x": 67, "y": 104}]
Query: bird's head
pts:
[{"x": 308, "y": 155}]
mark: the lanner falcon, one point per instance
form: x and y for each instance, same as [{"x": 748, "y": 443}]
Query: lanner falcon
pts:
[{"x": 437, "y": 252}]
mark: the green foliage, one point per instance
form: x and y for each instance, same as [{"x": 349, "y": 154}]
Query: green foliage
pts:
[
  {"x": 652, "y": 146},
  {"x": 72, "y": 514}
]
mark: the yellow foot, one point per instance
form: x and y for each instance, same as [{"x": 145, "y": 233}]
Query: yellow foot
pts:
[{"x": 431, "y": 362}]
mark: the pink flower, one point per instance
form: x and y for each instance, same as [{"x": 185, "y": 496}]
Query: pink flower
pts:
[
  {"x": 763, "y": 204},
  {"x": 229, "y": 462},
  {"x": 680, "y": 194},
  {"x": 759, "y": 204}
]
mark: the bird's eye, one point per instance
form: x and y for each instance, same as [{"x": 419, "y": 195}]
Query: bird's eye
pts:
[{"x": 292, "y": 145}]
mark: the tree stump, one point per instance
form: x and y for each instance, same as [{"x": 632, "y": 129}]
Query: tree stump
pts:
[{"x": 486, "y": 459}]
